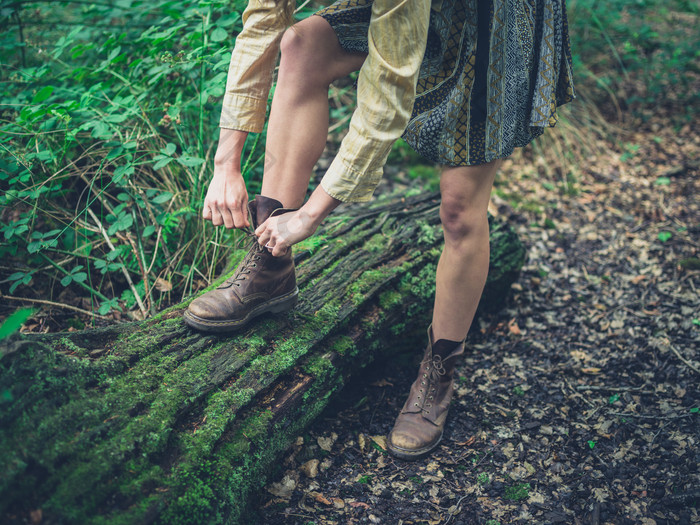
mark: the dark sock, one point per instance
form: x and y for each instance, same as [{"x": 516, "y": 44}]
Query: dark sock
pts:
[{"x": 444, "y": 347}]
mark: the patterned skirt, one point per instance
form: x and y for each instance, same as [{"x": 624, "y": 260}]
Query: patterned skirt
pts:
[{"x": 493, "y": 74}]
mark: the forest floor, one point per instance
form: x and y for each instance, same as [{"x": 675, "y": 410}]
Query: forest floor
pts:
[{"x": 577, "y": 403}]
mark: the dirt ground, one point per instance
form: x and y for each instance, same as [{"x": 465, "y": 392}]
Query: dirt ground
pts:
[{"x": 578, "y": 403}]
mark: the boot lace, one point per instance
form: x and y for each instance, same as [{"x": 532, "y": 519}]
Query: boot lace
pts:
[
  {"x": 434, "y": 370},
  {"x": 248, "y": 262}
]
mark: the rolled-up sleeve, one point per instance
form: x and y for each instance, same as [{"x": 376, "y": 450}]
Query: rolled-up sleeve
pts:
[
  {"x": 252, "y": 65},
  {"x": 386, "y": 91}
]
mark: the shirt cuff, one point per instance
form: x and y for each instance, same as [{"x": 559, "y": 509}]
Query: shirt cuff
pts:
[
  {"x": 243, "y": 113},
  {"x": 347, "y": 185}
]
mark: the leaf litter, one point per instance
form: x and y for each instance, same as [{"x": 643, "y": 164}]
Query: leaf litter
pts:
[{"x": 577, "y": 404}]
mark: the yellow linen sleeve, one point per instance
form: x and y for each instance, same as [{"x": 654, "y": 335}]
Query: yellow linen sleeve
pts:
[
  {"x": 386, "y": 91},
  {"x": 252, "y": 65}
]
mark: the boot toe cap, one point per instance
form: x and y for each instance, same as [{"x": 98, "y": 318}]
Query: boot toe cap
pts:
[
  {"x": 206, "y": 307},
  {"x": 406, "y": 440}
]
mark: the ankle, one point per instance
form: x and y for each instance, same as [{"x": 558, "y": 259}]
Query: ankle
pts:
[{"x": 444, "y": 347}]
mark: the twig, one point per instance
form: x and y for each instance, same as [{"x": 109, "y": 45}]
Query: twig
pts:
[
  {"x": 643, "y": 416},
  {"x": 144, "y": 275},
  {"x": 690, "y": 365},
  {"x": 124, "y": 270},
  {"x": 51, "y": 303},
  {"x": 459, "y": 502},
  {"x": 616, "y": 389}
]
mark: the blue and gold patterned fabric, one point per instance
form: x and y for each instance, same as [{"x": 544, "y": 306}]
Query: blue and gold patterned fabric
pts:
[{"x": 493, "y": 74}]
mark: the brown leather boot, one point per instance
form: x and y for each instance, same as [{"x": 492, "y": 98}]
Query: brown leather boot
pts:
[
  {"x": 262, "y": 283},
  {"x": 418, "y": 428}
]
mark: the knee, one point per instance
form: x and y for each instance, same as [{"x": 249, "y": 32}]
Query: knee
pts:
[
  {"x": 300, "y": 55},
  {"x": 293, "y": 48},
  {"x": 462, "y": 224}
]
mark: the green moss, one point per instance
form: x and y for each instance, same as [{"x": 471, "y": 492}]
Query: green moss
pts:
[
  {"x": 376, "y": 243},
  {"x": 389, "y": 299},
  {"x": 427, "y": 234},
  {"x": 68, "y": 346},
  {"x": 342, "y": 345},
  {"x": 318, "y": 367},
  {"x": 359, "y": 288},
  {"x": 517, "y": 492},
  {"x": 422, "y": 285},
  {"x": 310, "y": 244}
]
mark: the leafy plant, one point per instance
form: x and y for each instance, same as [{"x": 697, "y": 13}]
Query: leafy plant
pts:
[
  {"x": 14, "y": 322},
  {"x": 517, "y": 492},
  {"x": 107, "y": 130}
]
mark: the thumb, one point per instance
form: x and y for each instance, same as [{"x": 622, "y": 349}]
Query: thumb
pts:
[{"x": 260, "y": 229}]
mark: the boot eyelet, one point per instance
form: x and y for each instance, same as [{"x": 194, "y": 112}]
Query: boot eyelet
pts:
[
  {"x": 416, "y": 404},
  {"x": 425, "y": 375}
]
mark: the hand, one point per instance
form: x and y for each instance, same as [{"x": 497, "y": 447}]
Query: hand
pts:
[
  {"x": 227, "y": 198},
  {"x": 279, "y": 232}
]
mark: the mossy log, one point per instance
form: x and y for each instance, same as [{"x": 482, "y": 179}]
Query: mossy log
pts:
[{"x": 151, "y": 422}]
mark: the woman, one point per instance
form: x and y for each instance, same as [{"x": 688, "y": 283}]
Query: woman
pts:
[{"x": 463, "y": 81}]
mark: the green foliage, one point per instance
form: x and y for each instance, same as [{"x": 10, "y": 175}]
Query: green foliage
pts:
[
  {"x": 107, "y": 127},
  {"x": 665, "y": 236},
  {"x": 14, "y": 322},
  {"x": 517, "y": 492},
  {"x": 616, "y": 40}
]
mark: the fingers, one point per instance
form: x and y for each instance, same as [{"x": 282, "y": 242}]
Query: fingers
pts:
[
  {"x": 269, "y": 237},
  {"x": 264, "y": 233},
  {"x": 216, "y": 218},
  {"x": 240, "y": 216},
  {"x": 230, "y": 215},
  {"x": 279, "y": 250}
]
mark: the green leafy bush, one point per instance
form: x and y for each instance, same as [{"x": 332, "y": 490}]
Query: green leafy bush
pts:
[{"x": 108, "y": 126}]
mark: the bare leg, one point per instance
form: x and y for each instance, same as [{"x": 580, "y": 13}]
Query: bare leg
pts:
[
  {"x": 311, "y": 59},
  {"x": 464, "y": 263}
]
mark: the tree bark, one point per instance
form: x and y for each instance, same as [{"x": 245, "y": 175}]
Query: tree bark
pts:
[{"x": 152, "y": 422}]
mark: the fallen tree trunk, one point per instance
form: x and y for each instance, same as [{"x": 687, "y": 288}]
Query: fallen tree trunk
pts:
[{"x": 152, "y": 422}]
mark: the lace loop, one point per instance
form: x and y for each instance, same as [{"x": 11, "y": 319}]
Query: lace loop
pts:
[
  {"x": 434, "y": 370},
  {"x": 244, "y": 268}
]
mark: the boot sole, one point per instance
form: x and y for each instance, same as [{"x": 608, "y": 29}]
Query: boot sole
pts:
[
  {"x": 411, "y": 454},
  {"x": 279, "y": 304}
]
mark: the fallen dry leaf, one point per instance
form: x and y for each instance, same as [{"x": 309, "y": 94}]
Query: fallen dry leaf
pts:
[
  {"x": 284, "y": 488},
  {"x": 466, "y": 443},
  {"x": 320, "y": 498},
  {"x": 310, "y": 468},
  {"x": 162, "y": 285},
  {"x": 380, "y": 441}
]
